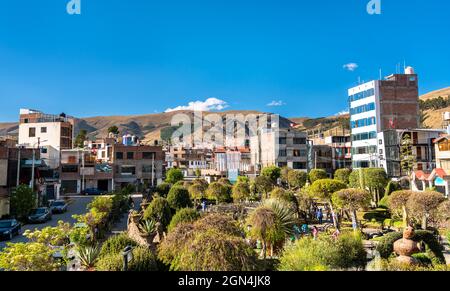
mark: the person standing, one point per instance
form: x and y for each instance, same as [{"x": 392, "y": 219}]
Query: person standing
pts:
[
  {"x": 320, "y": 215},
  {"x": 315, "y": 232}
]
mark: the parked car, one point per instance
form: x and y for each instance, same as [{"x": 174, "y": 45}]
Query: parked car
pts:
[
  {"x": 40, "y": 215},
  {"x": 92, "y": 191},
  {"x": 58, "y": 206},
  {"x": 9, "y": 228}
]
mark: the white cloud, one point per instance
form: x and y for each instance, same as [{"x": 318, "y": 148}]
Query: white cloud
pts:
[
  {"x": 276, "y": 103},
  {"x": 207, "y": 105},
  {"x": 343, "y": 112},
  {"x": 351, "y": 66}
]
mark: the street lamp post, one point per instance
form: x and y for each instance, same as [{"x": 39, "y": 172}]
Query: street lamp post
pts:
[{"x": 33, "y": 162}]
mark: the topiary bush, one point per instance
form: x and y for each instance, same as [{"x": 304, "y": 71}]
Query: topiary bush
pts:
[
  {"x": 159, "y": 211},
  {"x": 183, "y": 215},
  {"x": 163, "y": 189},
  {"x": 116, "y": 244},
  {"x": 317, "y": 174},
  {"x": 434, "y": 249},
  {"x": 178, "y": 198}
]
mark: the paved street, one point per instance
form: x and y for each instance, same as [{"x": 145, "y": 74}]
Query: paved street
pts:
[{"x": 78, "y": 206}]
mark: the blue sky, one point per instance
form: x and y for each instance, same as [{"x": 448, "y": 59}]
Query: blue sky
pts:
[{"x": 143, "y": 56}]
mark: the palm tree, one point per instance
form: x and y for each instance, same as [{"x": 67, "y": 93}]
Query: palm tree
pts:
[{"x": 272, "y": 223}]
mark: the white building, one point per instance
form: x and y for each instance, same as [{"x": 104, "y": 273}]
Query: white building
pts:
[
  {"x": 376, "y": 106},
  {"x": 49, "y": 133}
]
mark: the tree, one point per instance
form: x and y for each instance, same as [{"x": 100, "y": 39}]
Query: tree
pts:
[
  {"x": 163, "y": 189},
  {"x": 241, "y": 192},
  {"x": 113, "y": 129},
  {"x": 324, "y": 189},
  {"x": 31, "y": 256},
  {"x": 80, "y": 139},
  {"x": 22, "y": 200},
  {"x": 224, "y": 181},
  {"x": 397, "y": 202},
  {"x": 281, "y": 194},
  {"x": 423, "y": 206},
  {"x": 297, "y": 179},
  {"x": 271, "y": 172},
  {"x": 183, "y": 216},
  {"x": 178, "y": 198},
  {"x": 304, "y": 203},
  {"x": 317, "y": 174},
  {"x": 284, "y": 172},
  {"x": 407, "y": 158},
  {"x": 174, "y": 175},
  {"x": 271, "y": 223},
  {"x": 352, "y": 199},
  {"x": 343, "y": 175},
  {"x": 263, "y": 185},
  {"x": 197, "y": 191},
  {"x": 392, "y": 187},
  {"x": 219, "y": 192},
  {"x": 212, "y": 243},
  {"x": 159, "y": 210},
  {"x": 376, "y": 181}
]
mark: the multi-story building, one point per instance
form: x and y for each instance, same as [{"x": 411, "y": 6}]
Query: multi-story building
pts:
[
  {"x": 282, "y": 147},
  {"x": 422, "y": 148},
  {"x": 381, "y": 105},
  {"x": 188, "y": 160},
  {"x": 14, "y": 162},
  {"x": 80, "y": 170},
  {"x": 332, "y": 152},
  {"x": 137, "y": 165},
  {"x": 232, "y": 159},
  {"x": 102, "y": 148},
  {"x": 49, "y": 133}
]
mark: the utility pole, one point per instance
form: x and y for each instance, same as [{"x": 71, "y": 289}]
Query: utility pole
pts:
[
  {"x": 82, "y": 170},
  {"x": 18, "y": 166},
  {"x": 153, "y": 169},
  {"x": 33, "y": 163}
]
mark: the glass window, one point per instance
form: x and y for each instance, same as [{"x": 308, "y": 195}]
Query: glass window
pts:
[
  {"x": 119, "y": 155},
  {"x": 130, "y": 155},
  {"x": 282, "y": 140},
  {"x": 148, "y": 155},
  {"x": 128, "y": 170},
  {"x": 32, "y": 132},
  {"x": 299, "y": 140},
  {"x": 299, "y": 166},
  {"x": 282, "y": 153},
  {"x": 43, "y": 129}
]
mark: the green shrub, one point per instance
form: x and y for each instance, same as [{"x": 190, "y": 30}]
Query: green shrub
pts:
[
  {"x": 423, "y": 259},
  {"x": 323, "y": 254},
  {"x": 378, "y": 215},
  {"x": 183, "y": 215},
  {"x": 434, "y": 249},
  {"x": 143, "y": 260},
  {"x": 272, "y": 172},
  {"x": 159, "y": 211},
  {"x": 317, "y": 174},
  {"x": 219, "y": 192},
  {"x": 163, "y": 189},
  {"x": 392, "y": 187},
  {"x": 343, "y": 175},
  {"x": 173, "y": 176},
  {"x": 178, "y": 198},
  {"x": 384, "y": 202},
  {"x": 116, "y": 244}
]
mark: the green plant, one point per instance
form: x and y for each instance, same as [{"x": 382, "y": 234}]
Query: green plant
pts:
[
  {"x": 31, "y": 256},
  {"x": 143, "y": 261},
  {"x": 54, "y": 236},
  {"x": 263, "y": 185},
  {"x": 241, "y": 191},
  {"x": 197, "y": 190},
  {"x": 297, "y": 179},
  {"x": 317, "y": 174},
  {"x": 219, "y": 192},
  {"x": 147, "y": 227},
  {"x": 178, "y": 198},
  {"x": 272, "y": 172},
  {"x": 102, "y": 204},
  {"x": 345, "y": 253},
  {"x": 423, "y": 206},
  {"x": 173, "y": 176},
  {"x": 392, "y": 187},
  {"x": 88, "y": 256},
  {"x": 116, "y": 244},
  {"x": 352, "y": 200},
  {"x": 22, "y": 201},
  {"x": 343, "y": 175},
  {"x": 182, "y": 216},
  {"x": 163, "y": 189},
  {"x": 212, "y": 243},
  {"x": 159, "y": 211}
]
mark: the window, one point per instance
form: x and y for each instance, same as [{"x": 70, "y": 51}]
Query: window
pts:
[
  {"x": 362, "y": 108},
  {"x": 444, "y": 146},
  {"x": 361, "y": 95},
  {"x": 128, "y": 170},
  {"x": 44, "y": 150},
  {"x": 148, "y": 155},
  {"x": 296, "y": 153},
  {"x": 43, "y": 129},
  {"x": 282, "y": 140},
  {"x": 364, "y": 136},
  {"x": 380, "y": 142},
  {"x": 146, "y": 168},
  {"x": 69, "y": 168},
  {"x": 299, "y": 165},
  {"x": 32, "y": 132},
  {"x": 282, "y": 153},
  {"x": 119, "y": 155},
  {"x": 299, "y": 140},
  {"x": 130, "y": 155},
  {"x": 363, "y": 122},
  {"x": 282, "y": 164}
]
